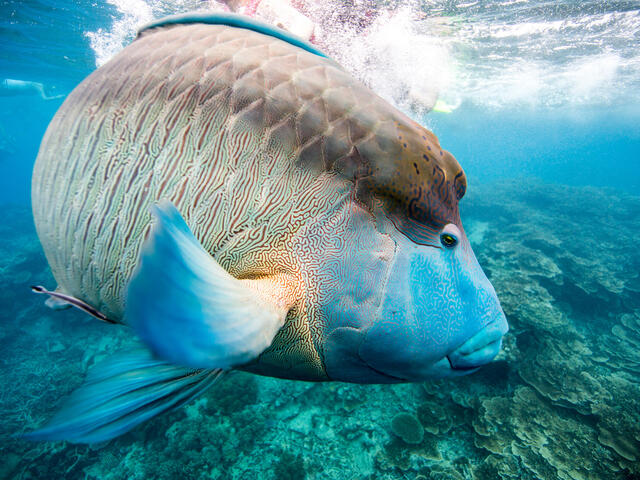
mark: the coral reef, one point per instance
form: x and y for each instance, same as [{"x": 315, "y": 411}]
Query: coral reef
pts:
[{"x": 561, "y": 401}]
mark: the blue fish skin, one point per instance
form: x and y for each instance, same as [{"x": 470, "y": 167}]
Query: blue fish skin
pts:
[
  {"x": 450, "y": 301},
  {"x": 404, "y": 311}
]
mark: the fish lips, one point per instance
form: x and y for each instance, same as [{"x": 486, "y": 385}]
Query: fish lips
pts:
[
  {"x": 481, "y": 348},
  {"x": 348, "y": 357},
  {"x": 476, "y": 351}
]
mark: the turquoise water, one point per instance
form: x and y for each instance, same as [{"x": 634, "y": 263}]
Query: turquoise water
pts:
[{"x": 545, "y": 121}]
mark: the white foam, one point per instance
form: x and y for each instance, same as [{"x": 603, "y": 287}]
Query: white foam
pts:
[
  {"x": 587, "y": 77},
  {"x": 524, "y": 29},
  {"x": 106, "y": 44},
  {"x": 398, "y": 60},
  {"x": 132, "y": 14},
  {"x": 418, "y": 52},
  {"x": 582, "y": 59}
]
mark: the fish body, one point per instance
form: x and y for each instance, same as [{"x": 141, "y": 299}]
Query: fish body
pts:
[{"x": 305, "y": 228}]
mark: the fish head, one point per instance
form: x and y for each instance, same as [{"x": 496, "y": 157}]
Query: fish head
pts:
[
  {"x": 437, "y": 313},
  {"x": 439, "y": 316}
]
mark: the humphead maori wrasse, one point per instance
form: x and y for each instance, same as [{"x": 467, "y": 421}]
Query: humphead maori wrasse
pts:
[{"x": 242, "y": 202}]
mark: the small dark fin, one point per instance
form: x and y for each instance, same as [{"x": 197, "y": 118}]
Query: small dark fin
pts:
[
  {"x": 72, "y": 301},
  {"x": 120, "y": 393}
]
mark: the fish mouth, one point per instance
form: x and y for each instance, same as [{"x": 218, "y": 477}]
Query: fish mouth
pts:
[
  {"x": 459, "y": 368},
  {"x": 467, "y": 358},
  {"x": 346, "y": 363},
  {"x": 480, "y": 349}
]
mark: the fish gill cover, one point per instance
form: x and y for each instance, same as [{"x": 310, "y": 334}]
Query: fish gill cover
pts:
[{"x": 563, "y": 398}]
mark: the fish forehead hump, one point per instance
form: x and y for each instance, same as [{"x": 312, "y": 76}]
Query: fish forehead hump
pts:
[{"x": 337, "y": 124}]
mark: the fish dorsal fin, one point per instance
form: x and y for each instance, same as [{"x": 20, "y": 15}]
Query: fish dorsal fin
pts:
[
  {"x": 189, "y": 310},
  {"x": 234, "y": 20}
]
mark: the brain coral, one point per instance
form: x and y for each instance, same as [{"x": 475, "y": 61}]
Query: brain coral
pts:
[{"x": 408, "y": 428}]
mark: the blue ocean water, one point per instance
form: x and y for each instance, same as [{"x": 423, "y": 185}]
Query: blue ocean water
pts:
[{"x": 541, "y": 107}]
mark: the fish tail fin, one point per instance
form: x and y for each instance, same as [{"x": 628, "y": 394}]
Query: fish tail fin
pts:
[{"x": 120, "y": 393}]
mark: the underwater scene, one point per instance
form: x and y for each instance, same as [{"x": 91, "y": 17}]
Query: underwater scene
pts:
[{"x": 539, "y": 103}]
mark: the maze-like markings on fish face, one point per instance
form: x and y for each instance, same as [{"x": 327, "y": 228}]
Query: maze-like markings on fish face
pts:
[{"x": 239, "y": 130}]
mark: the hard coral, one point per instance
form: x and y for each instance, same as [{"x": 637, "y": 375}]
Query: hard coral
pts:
[{"x": 408, "y": 428}]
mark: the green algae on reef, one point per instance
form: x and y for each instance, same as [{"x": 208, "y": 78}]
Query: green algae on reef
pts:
[{"x": 561, "y": 401}]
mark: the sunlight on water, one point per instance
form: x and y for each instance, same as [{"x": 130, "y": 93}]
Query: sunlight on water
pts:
[
  {"x": 486, "y": 53},
  {"x": 132, "y": 14},
  {"x": 106, "y": 43}
]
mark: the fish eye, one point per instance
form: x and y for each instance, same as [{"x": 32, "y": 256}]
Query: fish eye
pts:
[
  {"x": 448, "y": 240},
  {"x": 449, "y": 235}
]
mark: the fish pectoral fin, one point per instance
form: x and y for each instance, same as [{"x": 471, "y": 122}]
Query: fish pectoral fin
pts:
[
  {"x": 188, "y": 309},
  {"x": 120, "y": 393}
]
